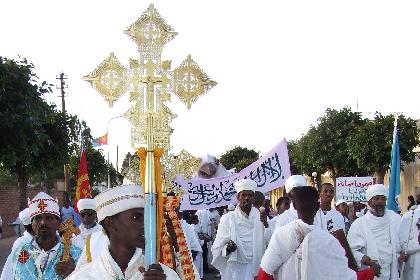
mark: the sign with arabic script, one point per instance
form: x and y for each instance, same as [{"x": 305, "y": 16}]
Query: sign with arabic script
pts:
[
  {"x": 352, "y": 188},
  {"x": 269, "y": 172}
]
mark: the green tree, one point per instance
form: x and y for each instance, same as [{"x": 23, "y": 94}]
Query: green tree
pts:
[
  {"x": 371, "y": 145},
  {"x": 238, "y": 158},
  {"x": 34, "y": 137},
  {"x": 325, "y": 146}
]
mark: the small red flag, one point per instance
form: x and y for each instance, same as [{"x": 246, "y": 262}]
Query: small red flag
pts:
[{"x": 83, "y": 186}]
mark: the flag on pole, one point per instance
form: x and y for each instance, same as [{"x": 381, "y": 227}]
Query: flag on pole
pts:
[
  {"x": 394, "y": 176},
  {"x": 83, "y": 185},
  {"x": 103, "y": 140}
]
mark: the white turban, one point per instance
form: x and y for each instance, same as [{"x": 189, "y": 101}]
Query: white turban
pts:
[
  {"x": 295, "y": 181},
  {"x": 86, "y": 204},
  {"x": 42, "y": 203},
  {"x": 377, "y": 189},
  {"x": 117, "y": 200},
  {"x": 245, "y": 185},
  {"x": 340, "y": 201},
  {"x": 25, "y": 216}
]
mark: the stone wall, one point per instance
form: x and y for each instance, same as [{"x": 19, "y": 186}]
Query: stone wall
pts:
[{"x": 9, "y": 205}]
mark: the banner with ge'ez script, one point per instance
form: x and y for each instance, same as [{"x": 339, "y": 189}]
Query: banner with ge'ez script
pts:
[
  {"x": 269, "y": 172},
  {"x": 352, "y": 188}
]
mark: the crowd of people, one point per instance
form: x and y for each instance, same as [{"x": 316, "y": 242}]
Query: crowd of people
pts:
[{"x": 305, "y": 237}]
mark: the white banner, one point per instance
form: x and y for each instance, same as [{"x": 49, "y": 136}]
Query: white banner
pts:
[
  {"x": 352, "y": 188},
  {"x": 269, "y": 172}
]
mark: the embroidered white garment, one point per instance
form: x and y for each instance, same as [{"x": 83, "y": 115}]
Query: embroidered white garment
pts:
[
  {"x": 7, "y": 273},
  {"x": 105, "y": 268}
]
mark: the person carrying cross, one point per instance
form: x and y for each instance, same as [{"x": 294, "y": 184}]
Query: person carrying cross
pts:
[{"x": 41, "y": 257}]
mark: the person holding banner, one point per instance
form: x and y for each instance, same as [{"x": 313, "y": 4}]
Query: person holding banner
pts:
[
  {"x": 374, "y": 238},
  {"x": 239, "y": 244}
]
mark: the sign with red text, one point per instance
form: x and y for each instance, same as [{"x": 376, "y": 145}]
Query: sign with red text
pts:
[{"x": 352, "y": 188}]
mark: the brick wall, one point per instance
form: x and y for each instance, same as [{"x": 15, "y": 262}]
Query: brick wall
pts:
[{"x": 9, "y": 205}]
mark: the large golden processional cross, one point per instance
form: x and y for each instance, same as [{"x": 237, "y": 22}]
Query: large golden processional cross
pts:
[{"x": 150, "y": 82}]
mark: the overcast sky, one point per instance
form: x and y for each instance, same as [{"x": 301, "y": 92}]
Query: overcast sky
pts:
[{"x": 278, "y": 64}]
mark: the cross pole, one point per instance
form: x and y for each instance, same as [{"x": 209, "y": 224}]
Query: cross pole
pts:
[
  {"x": 67, "y": 229},
  {"x": 150, "y": 82}
]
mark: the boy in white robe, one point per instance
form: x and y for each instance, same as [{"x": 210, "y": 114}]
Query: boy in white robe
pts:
[
  {"x": 374, "y": 238},
  {"x": 121, "y": 213},
  {"x": 409, "y": 235},
  {"x": 327, "y": 218},
  {"x": 239, "y": 243}
]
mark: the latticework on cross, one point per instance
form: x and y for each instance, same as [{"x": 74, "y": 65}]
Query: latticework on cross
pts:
[{"x": 150, "y": 80}]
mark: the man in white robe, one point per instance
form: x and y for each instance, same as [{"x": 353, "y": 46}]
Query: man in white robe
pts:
[
  {"x": 282, "y": 204},
  {"x": 121, "y": 213},
  {"x": 239, "y": 243},
  {"x": 28, "y": 235},
  {"x": 89, "y": 218},
  {"x": 409, "y": 235},
  {"x": 287, "y": 256},
  {"x": 290, "y": 214},
  {"x": 374, "y": 236}
]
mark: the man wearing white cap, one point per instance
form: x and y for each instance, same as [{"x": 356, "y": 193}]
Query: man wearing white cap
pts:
[
  {"x": 342, "y": 207},
  {"x": 294, "y": 181},
  {"x": 239, "y": 243},
  {"x": 25, "y": 218},
  {"x": 40, "y": 258},
  {"x": 120, "y": 211},
  {"x": 87, "y": 212},
  {"x": 373, "y": 237}
]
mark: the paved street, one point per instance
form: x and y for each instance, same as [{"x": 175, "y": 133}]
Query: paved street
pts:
[{"x": 5, "y": 247}]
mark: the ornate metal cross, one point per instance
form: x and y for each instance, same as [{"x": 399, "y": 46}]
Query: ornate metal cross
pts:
[
  {"x": 150, "y": 82},
  {"x": 67, "y": 229}
]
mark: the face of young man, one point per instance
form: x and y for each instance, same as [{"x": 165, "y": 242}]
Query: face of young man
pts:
[
  {"x": 88, "y": 218},
  {"x": 45, "y": 226},
  {"x": 246, "y": 199},
  {"x": 377, "y": 205},
  {"x": 326, "y": 194},
  {"x": 127, "y": 228}
]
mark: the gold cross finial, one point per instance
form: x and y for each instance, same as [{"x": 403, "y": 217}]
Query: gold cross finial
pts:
[{"x": 67, "y": 229}]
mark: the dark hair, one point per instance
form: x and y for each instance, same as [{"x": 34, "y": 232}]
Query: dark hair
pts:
[
  {"x": 411, "y": 199},
  {"x": 324, "y": 184},
  {"x": 305, "y": 194},
  {"x": 281, "y": 199}
]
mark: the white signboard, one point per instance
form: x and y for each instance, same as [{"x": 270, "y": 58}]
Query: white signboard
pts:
[{"x": 352, "y": 188}]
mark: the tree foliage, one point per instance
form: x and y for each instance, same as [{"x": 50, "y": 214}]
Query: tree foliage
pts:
[
  {"x": 345, "y": 144},
  {"x": 238, "y": 158},
  {"x": 371, "y": 145},
  {"x": 35, "y": 137}
]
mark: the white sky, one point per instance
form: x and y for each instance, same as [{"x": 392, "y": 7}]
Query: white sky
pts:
[{"x": 278, "y": 64}]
